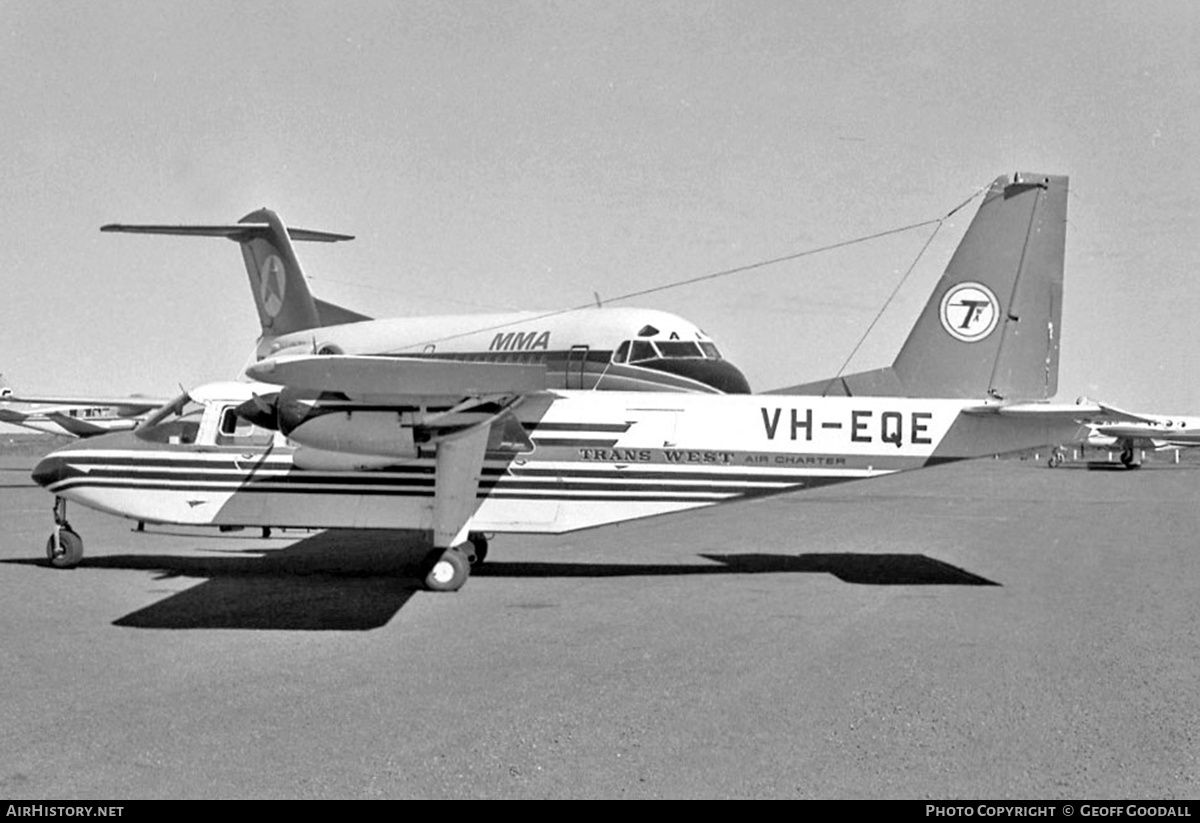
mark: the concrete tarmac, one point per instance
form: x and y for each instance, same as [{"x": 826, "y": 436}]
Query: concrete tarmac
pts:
[{"x": 982, "y": 630}]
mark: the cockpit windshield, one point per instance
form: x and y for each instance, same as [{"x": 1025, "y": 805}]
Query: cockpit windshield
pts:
[
  {"x": 637, "y": 351},
  {"x": 176, "y": 422}
]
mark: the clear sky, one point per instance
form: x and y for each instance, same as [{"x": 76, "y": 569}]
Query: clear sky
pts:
[{"x": 527, "y": 154}]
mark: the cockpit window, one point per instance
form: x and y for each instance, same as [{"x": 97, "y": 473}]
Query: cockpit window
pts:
[
  {"x": 642, "y": 350},
  {"x": 622, "y": 353},
  {"x": 675, "y": 349},
  {"x": 710, "y": 350},
  {"x": 176, "y": 422}
]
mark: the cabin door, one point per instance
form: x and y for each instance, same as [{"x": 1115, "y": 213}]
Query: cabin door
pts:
[{"x": 576, "y": 366}]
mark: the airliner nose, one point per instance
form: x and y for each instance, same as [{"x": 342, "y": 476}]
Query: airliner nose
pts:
[{"x": 727, "y": 377}]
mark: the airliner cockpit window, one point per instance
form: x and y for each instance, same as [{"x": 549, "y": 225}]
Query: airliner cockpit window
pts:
[
  {"x": 622, "y": 353},
  {"x": 676, "y": 349},
  {"x": 710, "y": 350},
  {"x": 642, "y": 350},
  {"x": 176, "y": 422}
]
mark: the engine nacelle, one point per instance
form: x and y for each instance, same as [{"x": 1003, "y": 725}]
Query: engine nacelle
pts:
[
  {"x": 387, "y": 434},
  {"x": 307, "y": 458}
]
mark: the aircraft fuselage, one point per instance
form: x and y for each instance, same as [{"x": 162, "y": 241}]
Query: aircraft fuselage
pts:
[{"x": 579, "y": 459}]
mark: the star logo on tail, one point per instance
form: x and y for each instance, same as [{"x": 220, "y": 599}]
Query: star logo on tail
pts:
[{"x": 272, "y": 285}]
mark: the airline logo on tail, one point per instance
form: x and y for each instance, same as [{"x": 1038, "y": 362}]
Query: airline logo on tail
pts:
[
  {"x": 271, "y": 285},
  {"x": 970, "y": 312}
]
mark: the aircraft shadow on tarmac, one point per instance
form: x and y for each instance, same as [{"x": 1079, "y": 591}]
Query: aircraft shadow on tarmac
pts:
[{"x": 357, "y": 581}]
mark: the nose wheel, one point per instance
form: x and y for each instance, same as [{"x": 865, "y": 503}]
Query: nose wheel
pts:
[{"x": 64, "y": 549}]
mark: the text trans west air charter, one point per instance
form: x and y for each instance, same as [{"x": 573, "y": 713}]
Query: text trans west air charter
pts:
[{"x": 458, "y": 449}]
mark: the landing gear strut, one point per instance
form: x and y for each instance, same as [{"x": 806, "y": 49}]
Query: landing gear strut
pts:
[
  {"x": 476, "y": 548},
  {"x": 65, "y": 547},
  {"x": 1129, "y": 460}
]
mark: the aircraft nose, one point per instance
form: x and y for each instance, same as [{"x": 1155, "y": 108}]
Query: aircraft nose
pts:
[{"x": 51, "y": 469}]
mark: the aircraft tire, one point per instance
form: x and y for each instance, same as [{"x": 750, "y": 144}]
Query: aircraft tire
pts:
[
  {"x": 479, "y": 544},
  {"x": 69, "y": 551},
  {"x": 446, "y": 570}
]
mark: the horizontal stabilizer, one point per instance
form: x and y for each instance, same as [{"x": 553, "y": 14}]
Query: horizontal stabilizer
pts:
[
  {"x": 1086, "y": 412},
  {"x": 235, "y": 231},
  {"x": 399, "y": 376}
]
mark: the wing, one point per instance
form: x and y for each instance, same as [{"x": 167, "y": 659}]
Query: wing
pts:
[
  {"x": 401, "y": 378},
  {"x": 125, "y": 406},
  {"x": 89, "y": 428},
  {"x": 395, "y": 408}
]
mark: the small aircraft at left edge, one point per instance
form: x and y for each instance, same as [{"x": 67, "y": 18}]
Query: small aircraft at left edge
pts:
[{"x": 74, "y": 416}]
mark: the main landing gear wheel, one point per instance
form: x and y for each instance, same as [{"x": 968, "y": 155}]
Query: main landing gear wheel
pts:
[
  {"x": 477, "y": 552},
  {"x": 446, "y": 570},
  {"x": 65, "y": 549},
  {"x": 1056, "y": 458},
  {"x": 1128, "y": 460}
]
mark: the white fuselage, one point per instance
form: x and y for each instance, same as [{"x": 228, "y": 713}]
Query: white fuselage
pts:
[{"x": 596, "y": 458}]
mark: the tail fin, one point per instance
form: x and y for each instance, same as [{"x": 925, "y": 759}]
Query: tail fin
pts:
[
  {"x": 992, "y": 326},
  {"x": 280, "y": 290}
]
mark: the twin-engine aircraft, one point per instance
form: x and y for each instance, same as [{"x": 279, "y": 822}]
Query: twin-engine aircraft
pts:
[
  {"x": 459, "y": 449},
  {"x": 614, "y": 349}
]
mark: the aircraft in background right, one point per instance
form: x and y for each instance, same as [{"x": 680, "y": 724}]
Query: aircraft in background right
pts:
[{"x": 1132, "y": 431}]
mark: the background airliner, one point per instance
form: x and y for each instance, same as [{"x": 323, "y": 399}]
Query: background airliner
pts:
[{"x": 613, "y": 349}]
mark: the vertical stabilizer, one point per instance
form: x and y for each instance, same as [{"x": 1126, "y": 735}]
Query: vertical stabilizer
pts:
[
  {"x": 281, "y": 293},
  {"x": 992, "y": 324},
  {"x": 991, "y": 327}
]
